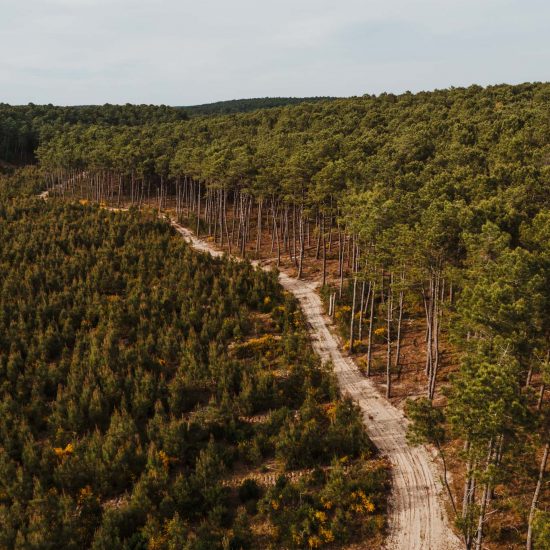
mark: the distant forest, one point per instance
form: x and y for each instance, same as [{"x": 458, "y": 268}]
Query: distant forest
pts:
[
  {"x": 22, "y": 127},
  {"x": 247, "y": 105}
]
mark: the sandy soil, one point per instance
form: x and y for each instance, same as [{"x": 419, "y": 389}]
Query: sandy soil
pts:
[{"x": 417, "y": 517}]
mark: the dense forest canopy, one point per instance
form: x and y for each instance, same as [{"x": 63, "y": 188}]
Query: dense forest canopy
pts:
[
  {"x": 22, "y": 126},
  {"x": 434, "y": 206}
]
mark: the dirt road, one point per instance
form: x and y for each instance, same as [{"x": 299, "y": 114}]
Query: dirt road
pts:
[{"x": 417, "y": 518}]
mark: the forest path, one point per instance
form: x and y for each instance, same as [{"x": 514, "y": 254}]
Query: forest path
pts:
[{"x": 417, "y": 517}]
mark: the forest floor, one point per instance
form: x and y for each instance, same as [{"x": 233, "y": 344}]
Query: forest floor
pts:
[{"x": 417, "y": 515}]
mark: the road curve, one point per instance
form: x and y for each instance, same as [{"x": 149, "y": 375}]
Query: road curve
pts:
[{"x": 417, "y": 518}]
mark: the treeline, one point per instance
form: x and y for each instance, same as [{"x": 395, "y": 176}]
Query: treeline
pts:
[
  {"x": 246, "y": 105},
  {"x": 396, "y": 184},
  {"x": 136, "y": 375},
  {"x": 434, "y": 202}
]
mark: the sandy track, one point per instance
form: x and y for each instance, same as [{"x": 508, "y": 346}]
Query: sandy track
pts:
[{"x": 417, "y": 518}]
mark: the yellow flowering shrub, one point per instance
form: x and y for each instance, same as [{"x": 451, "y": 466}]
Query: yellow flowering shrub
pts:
[
  {"x": 341, "y": 312},
  {"x": 327, "y": 534},
  {"x": 256, "y": 345},
  {"x": 321, "y": 516},
  {"x": 166, "y": 460},
  {"x": 157, "y": 542},
  {"x": 331, "y": 410},
  {"x": 67, "y": 451},
  {"x": 361, "y": 503},
  {"x": 314, "y": 542}
]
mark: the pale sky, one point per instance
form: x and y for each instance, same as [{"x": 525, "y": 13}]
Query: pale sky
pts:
[{"x": 182, "y": 52}]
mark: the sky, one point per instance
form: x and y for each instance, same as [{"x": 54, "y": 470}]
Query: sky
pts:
[{"x": 181, "y": 52}]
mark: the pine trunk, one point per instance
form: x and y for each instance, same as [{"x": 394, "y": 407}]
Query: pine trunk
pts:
[
  {"x": 388, "y": 336},
  {"x": 399, "y": 324},
  {"x": 371, "y": 322},
  {"x": 352, "y": 320},
  {"x": 536, "y": 495}
]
